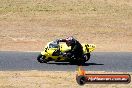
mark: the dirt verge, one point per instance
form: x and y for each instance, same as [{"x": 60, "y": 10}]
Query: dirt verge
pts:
[{"x": 48, "y": 79}]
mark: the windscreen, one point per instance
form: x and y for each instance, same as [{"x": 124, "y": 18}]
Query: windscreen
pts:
[{"x": 53, "y": 45}]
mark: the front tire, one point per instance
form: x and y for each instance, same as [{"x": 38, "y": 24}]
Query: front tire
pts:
[{"x": 41, "y": 58}]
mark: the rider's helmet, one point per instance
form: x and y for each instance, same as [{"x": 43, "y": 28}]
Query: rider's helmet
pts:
[{"x": 70, "y": 41}]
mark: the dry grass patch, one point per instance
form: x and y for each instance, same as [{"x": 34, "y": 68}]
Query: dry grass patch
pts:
[
  {"x": 48, "y": 79},
  {"x": 106, "y": 23}
]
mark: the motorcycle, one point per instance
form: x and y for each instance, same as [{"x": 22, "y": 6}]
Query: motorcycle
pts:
[{"x": 57, "y": 52}]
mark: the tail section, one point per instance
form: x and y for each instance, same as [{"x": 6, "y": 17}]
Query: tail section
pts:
[{"x": 88, "y": 47}]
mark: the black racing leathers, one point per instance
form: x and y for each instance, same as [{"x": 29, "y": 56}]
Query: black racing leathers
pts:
[{"x": 76, "y": 50}]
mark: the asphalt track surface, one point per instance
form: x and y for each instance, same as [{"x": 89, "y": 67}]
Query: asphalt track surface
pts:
[{"x": 100, "y": 61}]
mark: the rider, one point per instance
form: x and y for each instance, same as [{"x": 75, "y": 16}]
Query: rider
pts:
[{"x": 76, "y": 48}]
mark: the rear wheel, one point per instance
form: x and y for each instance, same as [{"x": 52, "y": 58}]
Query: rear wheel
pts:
[
  {"x": 73, "y": 61},
  {"x": 41, "y": 58},
  {"x": 80, "y": 61},
  {"x": 86, "y": 57},
  {"x": 77, "y": 61}
]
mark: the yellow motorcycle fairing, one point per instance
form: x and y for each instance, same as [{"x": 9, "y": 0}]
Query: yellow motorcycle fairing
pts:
[{"x": 48, "y": 51}]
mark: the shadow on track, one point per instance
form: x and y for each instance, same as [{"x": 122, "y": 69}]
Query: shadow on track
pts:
[{"x": 64, "y": 63}]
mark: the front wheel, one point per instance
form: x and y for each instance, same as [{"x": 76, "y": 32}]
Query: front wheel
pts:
[{"x": 41, "y": 58}]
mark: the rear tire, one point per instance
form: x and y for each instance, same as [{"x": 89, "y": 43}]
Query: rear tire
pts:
[
  {"x": 86, "y": 56},
  {"x": 73, "y": 62},
  {"x": 77, "y": 62},
  {"x": 41, "y": 59},
  {"x": 80, "y": 62}
]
